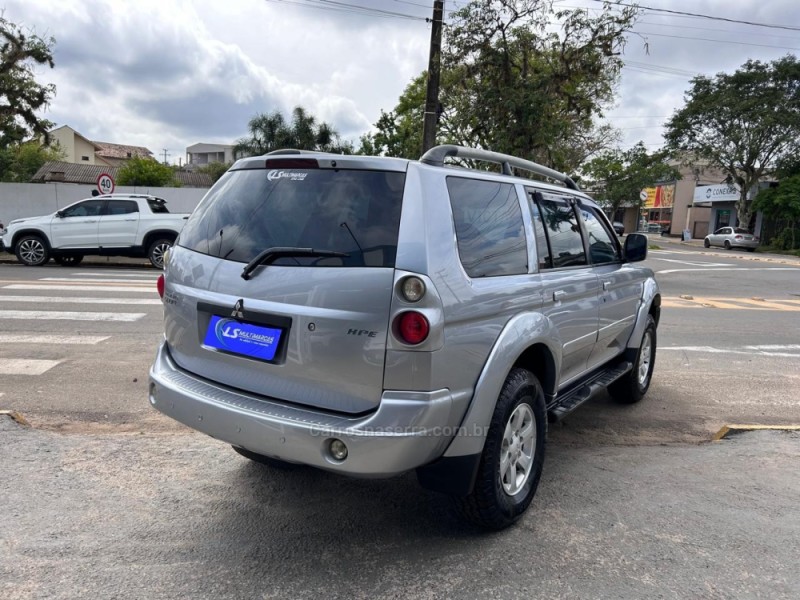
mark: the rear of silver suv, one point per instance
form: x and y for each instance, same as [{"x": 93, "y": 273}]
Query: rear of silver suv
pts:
[{"x": 370, "y": 316}]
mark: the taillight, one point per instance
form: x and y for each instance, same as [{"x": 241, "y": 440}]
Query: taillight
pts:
[
  {"x": 737, "y": 237},
  {"x": 412, "y": 327},
  {"x": 160, "y": 285}
]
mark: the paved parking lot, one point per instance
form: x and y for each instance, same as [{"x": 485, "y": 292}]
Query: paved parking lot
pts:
[{"x": 103, "y": 497}]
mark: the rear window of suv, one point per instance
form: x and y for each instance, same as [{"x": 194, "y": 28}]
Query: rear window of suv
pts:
[{"x": 356, "y": 212}]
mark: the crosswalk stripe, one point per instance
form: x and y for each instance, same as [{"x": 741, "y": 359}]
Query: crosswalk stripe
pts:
[
  {"x": 732, "y": 304},
  {"x": 69, "y": 315},
  {"x": 134, "y": 281},
  {"x": 55, "y": 340},
  {"x": 26, "y": 366},
  {"x": 154, "y": 275},
  {"x": 78, "y": 300},
  {"x": 80, "y": 288}
]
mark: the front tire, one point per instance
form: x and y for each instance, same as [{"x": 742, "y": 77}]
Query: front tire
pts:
[
  {"x": 32, "y": 251},
  {"x": 72, "y": 260},
  {"x": 632, "y": 386},
  {"x": 706, "y": 243},
  {"x": 156, "y": 252},
  {"x": 513, "y": 455}
]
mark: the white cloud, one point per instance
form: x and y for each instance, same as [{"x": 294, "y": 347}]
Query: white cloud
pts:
[{"x": 167, "y": 74}]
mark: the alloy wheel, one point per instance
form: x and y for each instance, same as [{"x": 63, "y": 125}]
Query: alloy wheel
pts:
[{"x": 518, "y": 448}]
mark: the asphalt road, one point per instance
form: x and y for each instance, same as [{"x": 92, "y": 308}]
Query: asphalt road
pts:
[{"x": 103, "y": 497}]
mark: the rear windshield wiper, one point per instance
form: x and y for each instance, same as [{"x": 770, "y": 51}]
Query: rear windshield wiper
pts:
[{"x": 270, "y": 255}]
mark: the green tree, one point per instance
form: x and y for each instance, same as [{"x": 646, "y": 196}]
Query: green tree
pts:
[
  {"x": 510, "y": 83},
  {"x": 746, "y": 123},
  {"x": 782, "y": 203},
  {"x": 146, "y": 172},
  {"x": 617, "y": 176},
  {"x": 215, "y": 170},
  {"x": 271, "y": 131},
  {"x": 20, "y": 94},
  {"x": 525, "y": 88},
  {"x": 19, "y": 162}
]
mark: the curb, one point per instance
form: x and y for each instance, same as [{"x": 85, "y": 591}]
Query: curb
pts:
[
  {"x": 726, "y": 429},
  {"x": 16, "y": 417}
]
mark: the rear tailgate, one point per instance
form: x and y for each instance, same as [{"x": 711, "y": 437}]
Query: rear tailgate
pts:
[{"x": 305, "y": 330}]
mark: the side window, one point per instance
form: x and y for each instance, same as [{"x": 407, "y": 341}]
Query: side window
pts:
[
  {"x": 602, "y": 248},
  {"x": 90, "y": 208},
  {"x": 542, "y": 249},
  {"x": 563, "y": 232},
  {"x": 122, "y": 207},
  {"x": 489, "y": 228}
]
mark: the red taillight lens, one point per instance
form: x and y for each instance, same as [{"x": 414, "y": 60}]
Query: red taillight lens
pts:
[
  {"x": 412, "y": 327},
  {"x": 160, "y": 285},
  {"x": 737, "y": 237}
]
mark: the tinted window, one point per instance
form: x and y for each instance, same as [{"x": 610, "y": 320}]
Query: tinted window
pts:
[
  {"x": 740, "y": 230},
  {"x": 90, "y": 208},
  {"x": 542, "y": 250},
  {"x": 489, "y": 229},
  {"x": 563, "y": 233},
  {"x": 248, "y": 211},
  {"x": 602, "y": 247},
  {"x": 121, "y": 207},
  {"x": 157, "y": 206}
]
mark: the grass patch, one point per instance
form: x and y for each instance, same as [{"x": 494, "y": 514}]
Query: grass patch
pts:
[{"x": 654, "y": 247}]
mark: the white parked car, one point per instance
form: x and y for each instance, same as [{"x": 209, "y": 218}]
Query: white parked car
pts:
[
  {"x": 732, "y": 237},
  {"x": 134, "y": 225}
]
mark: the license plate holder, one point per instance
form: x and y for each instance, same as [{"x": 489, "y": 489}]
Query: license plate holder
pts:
[{"x": 259, "y": 342}]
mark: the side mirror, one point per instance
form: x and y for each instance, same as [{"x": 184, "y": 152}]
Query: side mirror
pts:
[
  {"x": 635, "y": 247},
  {"x": 60, "y": 214}
]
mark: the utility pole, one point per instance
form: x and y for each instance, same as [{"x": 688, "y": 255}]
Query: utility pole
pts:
[
  {"x": 434, "y": 67},
  {"x": 166, "y": 154}
]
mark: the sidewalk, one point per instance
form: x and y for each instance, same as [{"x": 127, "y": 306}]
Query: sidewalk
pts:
[{"x": 662, "y": 241}]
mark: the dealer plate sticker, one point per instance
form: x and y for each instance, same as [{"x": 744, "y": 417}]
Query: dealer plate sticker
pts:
[{"x": 230, "y": 335}]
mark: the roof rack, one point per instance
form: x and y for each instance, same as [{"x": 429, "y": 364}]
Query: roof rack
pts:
[
  {"x": 294, "y": 151},
  {"x": 436, "y": 155}
]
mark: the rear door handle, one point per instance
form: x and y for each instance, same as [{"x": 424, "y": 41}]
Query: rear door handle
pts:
[
  {"x": 131, "y": 219},
  {"x": 559, "y": 295},
  {"x": 606, "y": 285}
]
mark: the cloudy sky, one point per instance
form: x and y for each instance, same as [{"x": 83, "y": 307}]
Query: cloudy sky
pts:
[{"x": 166, "y": 74}]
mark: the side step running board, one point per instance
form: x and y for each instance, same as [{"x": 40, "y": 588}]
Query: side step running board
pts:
[{"x": 573, "y": 398}]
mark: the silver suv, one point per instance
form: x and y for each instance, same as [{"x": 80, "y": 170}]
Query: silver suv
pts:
[{"x": 369, "y": 316}]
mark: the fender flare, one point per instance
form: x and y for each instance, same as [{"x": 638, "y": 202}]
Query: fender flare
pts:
[
  {"x": 520, "y": 333},
  {"x": 650, "y": 298}
]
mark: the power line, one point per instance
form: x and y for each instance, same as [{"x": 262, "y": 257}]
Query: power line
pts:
[
  {"x": 702, "y": 16},
  {"x": 684, "y": 37},
  {"x": 344, "y": 7}
]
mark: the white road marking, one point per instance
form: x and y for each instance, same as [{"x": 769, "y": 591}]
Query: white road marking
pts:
[
  {"x": 22, "y": 366},
  {"x": 694, "y": 264},
  {"x": 774, "y": 347},
  {"x": 134, "y": 281},
  {"x": 746, "y": 350},
  {"x": 77, "y": 300},
  {"x": 153, "y": 275},
  {"x": 69, "y": 315},
  {"x": 80, "y": 288},
  {"x": 55, "y": 340},
  {"x": 764, "y": 268}
]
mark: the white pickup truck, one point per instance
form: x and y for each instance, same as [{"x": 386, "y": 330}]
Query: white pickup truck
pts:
[{"x": 108, "y": 225}]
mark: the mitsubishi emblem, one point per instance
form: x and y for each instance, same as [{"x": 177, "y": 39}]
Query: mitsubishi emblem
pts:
[{"x": 238, "y": 309}]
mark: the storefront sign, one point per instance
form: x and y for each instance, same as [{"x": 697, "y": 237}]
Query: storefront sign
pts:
[
  {"x": 661, "y": 196},
  {"x": 724, "y": 192}
]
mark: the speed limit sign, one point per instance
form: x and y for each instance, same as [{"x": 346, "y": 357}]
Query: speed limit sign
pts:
[{"x": 105, "y": 183}]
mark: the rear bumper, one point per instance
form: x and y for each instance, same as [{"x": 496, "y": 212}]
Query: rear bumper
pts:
[{"x": 408, "y": 430}]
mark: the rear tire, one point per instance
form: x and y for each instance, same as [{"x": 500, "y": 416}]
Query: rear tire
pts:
[
  {"x": 632, "y": 386},
  {"x": 156, "y": 252},
  {"x": 72, "y": 260},
  {"x": 267, "y": 460},
  {"x": 513, "y": 455},
  {"x": 32, "y": 251},
  {"x": 727, "y": 245},
  {"x": 706, "y": 243}
]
